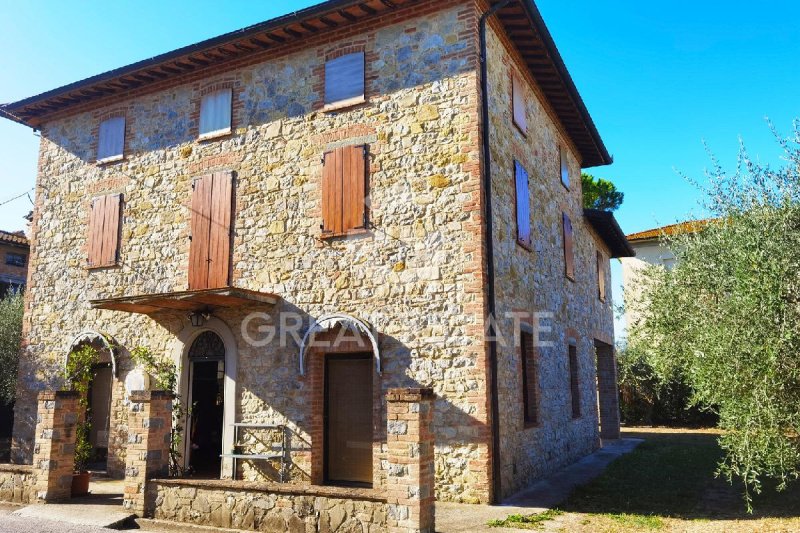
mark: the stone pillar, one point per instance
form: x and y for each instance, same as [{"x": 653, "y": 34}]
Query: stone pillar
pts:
[
  {"x": 608, "y": 391},
  {"x": 54, "y": 446},
  {"x": 410, "y": 479},
  {"x": 147, "y": 454}
]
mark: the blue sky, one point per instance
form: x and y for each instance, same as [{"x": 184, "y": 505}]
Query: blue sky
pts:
[{"x": 659, "y": 78}]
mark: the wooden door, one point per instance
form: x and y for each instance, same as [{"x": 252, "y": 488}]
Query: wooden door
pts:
[{"x": 348, "y": 417}]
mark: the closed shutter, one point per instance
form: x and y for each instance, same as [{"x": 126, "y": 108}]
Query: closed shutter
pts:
[
  {"x": 530, "y": 398},
  {"x": 344, "y": 188},
  {"x": 104, "y": 230},
  {"x": 569, "y": 252},
  {"x": 210, "y": 248},
  {"x": 522, "y": 205},
  {"x": 518, "y": 104},
  {"x": 344, "y": 78},
  {"x": 601, "y": 276}
]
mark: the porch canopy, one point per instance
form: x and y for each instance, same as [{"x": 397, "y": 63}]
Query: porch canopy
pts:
[{"x": 188, "y": 301}]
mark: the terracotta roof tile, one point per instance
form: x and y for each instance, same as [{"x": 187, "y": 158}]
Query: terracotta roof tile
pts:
[
  {"x": 689, "y": 226},
  {"x": 16, "y": 237}
]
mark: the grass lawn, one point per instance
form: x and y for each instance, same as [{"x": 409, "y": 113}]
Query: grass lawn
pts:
[{"x": 666, "y": 484}]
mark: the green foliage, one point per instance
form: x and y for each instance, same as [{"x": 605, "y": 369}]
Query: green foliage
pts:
[
  {"x": 165, "y": 374},
  {"x": 727, "y": 317},
  {"x": 10, "y": 336},
  {"x": 83, "y": 448},
  {"x": 78, "y": 374},
  {"x": 600, "y": 194},
  {"x": 526, "y": 521}
]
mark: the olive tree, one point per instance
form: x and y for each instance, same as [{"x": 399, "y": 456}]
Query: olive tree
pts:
[
  {"x": 10, "y": 336},
  {"x": 728, "y": 315}
]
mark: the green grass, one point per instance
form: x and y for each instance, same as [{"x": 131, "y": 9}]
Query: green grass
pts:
[
  {"x": 530, "y": 521},
  {"x": 636, "y": 521}
]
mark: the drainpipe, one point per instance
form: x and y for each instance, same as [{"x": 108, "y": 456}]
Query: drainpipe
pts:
[{"x": 487, "y": 215}]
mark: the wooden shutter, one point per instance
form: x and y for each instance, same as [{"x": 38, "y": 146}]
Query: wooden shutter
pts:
[
  {"x": 344, "y": 79},
  {"x": 522, "y": 205},
  {"x": 104, "y": 230},
  {"x": 518, "y": 104},
  {"x": 564, "y": 167},
  {"x": 530, "y": 398},
  {"x": 210, "y": 248},
  {"x": 344, "y": 187},
  {"x": 601, "y": 276},
  {"x": 574, "y": 381},
  {"x": 569, "y": 252}
]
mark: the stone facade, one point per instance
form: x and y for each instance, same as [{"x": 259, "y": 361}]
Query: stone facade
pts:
[
  {"x": 417, "y": 275},
  {"x": 54, "y": 452},
  {"x": 17, "y": 483}
]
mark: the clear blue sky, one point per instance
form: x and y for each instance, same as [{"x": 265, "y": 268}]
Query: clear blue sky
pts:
[{"x": 657, "y": 77}]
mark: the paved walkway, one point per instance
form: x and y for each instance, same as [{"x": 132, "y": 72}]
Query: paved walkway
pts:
[{"x": 543, "y": 495}]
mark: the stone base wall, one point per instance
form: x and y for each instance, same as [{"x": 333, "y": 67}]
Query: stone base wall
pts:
[
  {"x": 17, "y": 483},
  {"x": 269, "y": 507}
]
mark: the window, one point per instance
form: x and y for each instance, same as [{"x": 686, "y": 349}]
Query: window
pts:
[
  {"x": 215, "y": 113},
  {"x": 15, "y": 259},
  {"x": 569, "y": 252},
  {"x": 104, "y": 230},
  {"x": 344, "y": 80},
  {"x": 523, "y": 205},
  {"x": 344, "y": 184},
  {"x": 518, "y": 104},
  {"x": 601, "y": 276},
  {"x": 530, "y": 399},
  {"x": 210, "y": 245},
  {"x": 574, "y": 383},
  {"x": 111, "y": 139},
  {"x": 669, "y": 263},
  {"x": 564, "y": 167}
]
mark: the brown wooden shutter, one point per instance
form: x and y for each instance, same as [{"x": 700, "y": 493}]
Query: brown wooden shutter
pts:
[
  {"x": 569, "y": 252},
  {"x": 344, "y": 184},
  {"x": 601, "y": 276},
  {"x": 522, "y": 205},
  {"x": 210, "y": 248},
  {"x": 104, "y": 230},
  {"x": 530, "y": 398},
  {"x": 574, "y": 381}
]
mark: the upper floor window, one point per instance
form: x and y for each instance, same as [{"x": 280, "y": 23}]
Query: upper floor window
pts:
[
  {"x": 569, "y": 247},
  {"x": 523, "y": 205},
  {"x": 344, "y": 80},
  {"x": 111, "y": 139},
  {"x": 215, "y": 113},
  {"x": 564, "y": 167},
  {"x": 601, "y": 276},
  {"x": 518, "y": 104},
  {"x": 15, "y": 259},
  {"x": 344, "y": 189},
  {"x": 105, "y": 225}
]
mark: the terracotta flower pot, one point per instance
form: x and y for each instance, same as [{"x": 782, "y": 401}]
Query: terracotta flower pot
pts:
[{"x": 80, "y": 483}]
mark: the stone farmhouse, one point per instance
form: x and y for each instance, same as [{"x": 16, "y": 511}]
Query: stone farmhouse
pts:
[
  {"x": 14, "y": 249},
  {"x": 358, "y": 225}
]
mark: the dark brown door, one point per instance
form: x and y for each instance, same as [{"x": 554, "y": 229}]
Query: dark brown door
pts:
[{"x": 348, "y": 416}]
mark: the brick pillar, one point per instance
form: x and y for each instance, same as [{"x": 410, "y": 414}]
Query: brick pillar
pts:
[
  {"x": 54, "y": 446},
  {"x": 147, "y": 455},
  {"x": 410, "y": 479},
  {"x": 608, "y": 391}
]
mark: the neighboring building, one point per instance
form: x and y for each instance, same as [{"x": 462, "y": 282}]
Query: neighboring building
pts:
[
  {"x": 329, "y": 164},
  {"x": 14, "y": 249},
  {"x": 650, "y": 249}
]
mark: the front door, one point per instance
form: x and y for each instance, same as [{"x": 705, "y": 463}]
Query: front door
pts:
[
  {"x": 99, "y": 413},
  {"x": 206, "y": 401},
  {"x": 348, "y": 419}
]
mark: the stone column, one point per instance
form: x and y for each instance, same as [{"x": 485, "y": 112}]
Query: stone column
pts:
[
  {"x": 147, "y": 454},
  {"x": 410, "y": 479},
  {"x": 608, "y": 391},
  {"x": 54, "y": 446}
]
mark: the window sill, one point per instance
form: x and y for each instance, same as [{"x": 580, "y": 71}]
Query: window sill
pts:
[
  {"x": 101, "y": 267},
  {"x": 110, "y": 159},
  {"x": 531, "y": 425},
  {"x": 328, "y": 235},
  {"x": 523, "y": 131},
  {"x": 525, "y": 245},
  {"x": 344, "y": 104},
  {"x": 211, "y": 135}
]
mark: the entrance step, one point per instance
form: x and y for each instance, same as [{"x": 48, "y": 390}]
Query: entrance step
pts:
[{"x": 80, "y": 513}]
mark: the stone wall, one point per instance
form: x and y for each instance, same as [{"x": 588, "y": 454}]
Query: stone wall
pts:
[
  {"x": 416, "y": 275},
  {"x": 17, "y": 483},
  {"x": 533, "y": 281},
  {"x": 270, "y": 507}
]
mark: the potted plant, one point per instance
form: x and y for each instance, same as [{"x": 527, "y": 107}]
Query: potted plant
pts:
[{"x": 78, "y": 376}]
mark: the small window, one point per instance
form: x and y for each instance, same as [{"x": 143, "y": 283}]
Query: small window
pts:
[
  {"x": 17, "y": 260},
  {"x": 601, "y": 276},
  {"x": 574, "y": 382},
  {"x": 518, "y": 104},
  {"x": 569, "y": 251},
  {"x": 530, "y": 398},
  {"x": 215, "y": 113},
  {"x": 564, "y": 167},
  {"x": 111, "y": 139},
  {"x": 669, "y": 263},
  {"x": 523, "y": 205},
  {"x": 105, "y": 221},
  {"x": 344, "y": 80},
  {"x": 344, "y": 190}
]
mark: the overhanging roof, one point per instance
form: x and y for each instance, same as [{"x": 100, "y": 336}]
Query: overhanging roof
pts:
[
  {"x": 520, "y": 19},
  {"x": 681, "y": 228},
  {"x": 187, "y": 301},
  {"x": 606, "y": 226}
]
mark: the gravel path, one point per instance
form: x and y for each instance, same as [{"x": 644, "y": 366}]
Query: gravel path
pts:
[{"x": 10, "y": 523}]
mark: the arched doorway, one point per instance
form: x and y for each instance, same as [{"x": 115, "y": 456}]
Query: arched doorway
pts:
[{"x": 206, "y": 379}]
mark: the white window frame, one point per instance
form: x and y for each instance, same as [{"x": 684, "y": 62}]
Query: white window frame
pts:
[
  {"x": 211, "y": 99},
  {"x": 116, "y": 150}
]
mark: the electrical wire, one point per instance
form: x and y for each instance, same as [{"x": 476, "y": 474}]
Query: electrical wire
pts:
[{"x": 18, "y": 197}]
